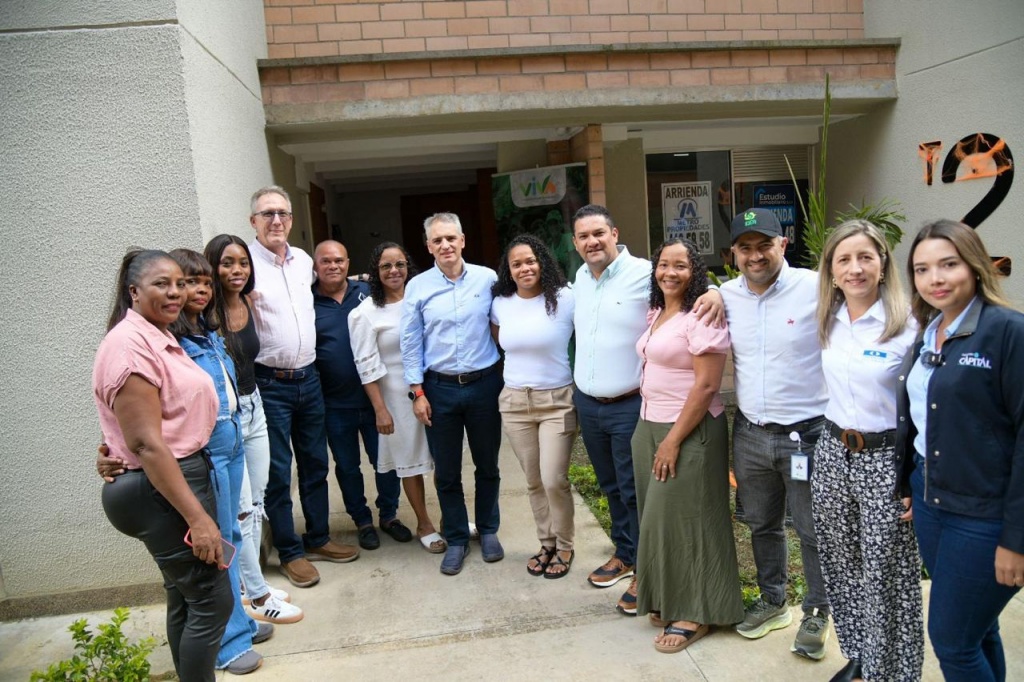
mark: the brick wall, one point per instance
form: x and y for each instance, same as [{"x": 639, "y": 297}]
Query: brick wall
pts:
[
  {"x": 325, "y": 28},
  {"x": 285, "y": 85}
]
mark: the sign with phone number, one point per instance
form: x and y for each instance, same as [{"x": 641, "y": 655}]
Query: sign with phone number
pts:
[{"x": 686, "y": 210}]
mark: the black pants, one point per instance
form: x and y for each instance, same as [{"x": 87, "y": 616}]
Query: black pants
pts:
[{"x": 199, "y": 598}]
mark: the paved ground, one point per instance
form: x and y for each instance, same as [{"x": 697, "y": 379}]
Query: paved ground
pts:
[{"x": 392, "y": 615}]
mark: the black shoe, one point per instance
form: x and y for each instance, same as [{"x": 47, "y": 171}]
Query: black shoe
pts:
[
  {"x": 398, "y": 531},
  {"x": 850, "y": 672},
  {"x": 368, "y": 538}
]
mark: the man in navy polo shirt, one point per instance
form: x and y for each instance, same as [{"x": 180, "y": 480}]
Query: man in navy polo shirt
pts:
[{"x": 348, "y": 413}]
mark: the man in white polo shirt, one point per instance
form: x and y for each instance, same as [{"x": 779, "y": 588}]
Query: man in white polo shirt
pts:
[
  {"x": 780, "y": 389},
  {"x": 290, "y": 387}
]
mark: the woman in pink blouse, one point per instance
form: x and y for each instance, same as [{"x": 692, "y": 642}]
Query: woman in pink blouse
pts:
[
  {"x": 157, "y": 409},
  {"x": 687, "y": 577}
]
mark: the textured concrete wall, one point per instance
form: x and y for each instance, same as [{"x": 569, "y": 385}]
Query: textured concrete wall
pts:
[
  {"x": 119, "y": 121},
  {"x": 97, "y": 159},
  {"x": 220, "y": 43},
  {"x": 626, "y": 191},
  {"x": 959, "y": 72}
]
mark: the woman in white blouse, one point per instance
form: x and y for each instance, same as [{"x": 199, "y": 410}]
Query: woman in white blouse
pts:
[
  {"x": 374, "y": 330},
  {"x": 531, "y": 319},
  {"x": 869, "y": 555}
]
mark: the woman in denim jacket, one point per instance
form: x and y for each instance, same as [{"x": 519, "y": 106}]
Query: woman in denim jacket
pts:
[
  {"x": 206, "y": 348},
  {"x": 961, "y": 436}
]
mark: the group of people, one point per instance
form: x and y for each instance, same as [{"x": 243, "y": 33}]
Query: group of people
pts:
[{"x": 215, "y": 372}]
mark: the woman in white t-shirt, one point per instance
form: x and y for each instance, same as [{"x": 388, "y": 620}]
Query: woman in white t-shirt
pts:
[{"x": 531, "y": 319}]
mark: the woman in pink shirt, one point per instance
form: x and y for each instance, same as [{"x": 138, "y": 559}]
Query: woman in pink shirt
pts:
[
  {"x": 687, "y": 577},
  {"x": 157, "y": 409}
]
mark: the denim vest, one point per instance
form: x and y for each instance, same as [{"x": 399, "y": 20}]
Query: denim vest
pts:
[{"x": 208, "y": 352}]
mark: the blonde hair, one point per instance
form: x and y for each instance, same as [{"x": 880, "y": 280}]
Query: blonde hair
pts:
[
  {"x": 890, "y": 288},
  {"x": 972, "y": 250}
]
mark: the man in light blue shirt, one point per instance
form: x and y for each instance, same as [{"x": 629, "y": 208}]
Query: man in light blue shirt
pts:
[{"x": 453, "y": 370}]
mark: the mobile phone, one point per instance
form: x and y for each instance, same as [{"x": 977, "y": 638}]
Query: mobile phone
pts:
[{"x": 227, "y": 549}]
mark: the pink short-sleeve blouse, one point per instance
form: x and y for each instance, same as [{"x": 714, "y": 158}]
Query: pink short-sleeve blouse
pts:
[
  {"x": 667, "y": 357},
  {"x": 188, "y": 400}
]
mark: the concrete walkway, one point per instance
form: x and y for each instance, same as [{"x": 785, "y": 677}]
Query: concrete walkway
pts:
[{"x": 392, "y": 615}]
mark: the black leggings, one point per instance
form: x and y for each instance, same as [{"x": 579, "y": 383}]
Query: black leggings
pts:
[{"x": 199, "y": 598}]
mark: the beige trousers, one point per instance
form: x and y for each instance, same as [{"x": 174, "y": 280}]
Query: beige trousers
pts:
[{"x": 541, "y": 426}]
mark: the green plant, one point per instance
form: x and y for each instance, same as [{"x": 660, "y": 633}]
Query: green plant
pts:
[
  {"x": 584, "y": 479},
  {"x": 886, "y": 214},
  {"x": 103, "y": 657}
]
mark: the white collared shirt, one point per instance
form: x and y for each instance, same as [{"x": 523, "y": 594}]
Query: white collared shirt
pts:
[
  {"x": 611, "y": 314},
  {"x": 861, "y": 372},
  {"x": 775, "y": 348},
  {"x": 283, "y": 307}
]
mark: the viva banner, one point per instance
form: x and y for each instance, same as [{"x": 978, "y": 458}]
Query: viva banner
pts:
[
  {"x": 541, "y": 201},
  {"x": 686, "y": 209}
]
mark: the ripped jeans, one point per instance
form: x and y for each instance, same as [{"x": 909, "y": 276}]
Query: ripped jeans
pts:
[{"x": 254, "y": 485}]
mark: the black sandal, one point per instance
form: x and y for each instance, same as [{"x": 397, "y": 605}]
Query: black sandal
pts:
[
  {"x": 558, "y": 561},
  {"x": 543, "y": 558}
]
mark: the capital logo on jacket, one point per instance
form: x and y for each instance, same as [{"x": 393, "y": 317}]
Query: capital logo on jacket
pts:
[{"x": 975, "y": 360}]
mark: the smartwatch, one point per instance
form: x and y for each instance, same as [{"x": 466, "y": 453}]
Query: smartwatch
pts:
[{"x": 418, "y": 393}]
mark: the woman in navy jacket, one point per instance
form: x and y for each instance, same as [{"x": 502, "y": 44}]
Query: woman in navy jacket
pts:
[{"x": 961, "y": 437}]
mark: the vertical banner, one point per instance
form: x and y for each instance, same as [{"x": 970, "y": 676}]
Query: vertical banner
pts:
[
  {"x": 686, "y": 208},
  {"x": 780, "y": 200},
  {"x": 541, "y": 201}
]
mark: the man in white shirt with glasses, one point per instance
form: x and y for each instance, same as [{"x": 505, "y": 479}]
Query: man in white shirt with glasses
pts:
[{"x": 289, "y": 384}]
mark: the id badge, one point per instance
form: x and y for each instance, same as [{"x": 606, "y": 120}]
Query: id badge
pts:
[{"x": 798, "y": 467}]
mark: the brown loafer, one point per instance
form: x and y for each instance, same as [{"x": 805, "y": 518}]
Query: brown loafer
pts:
[
  {"x": 300, "y": 572},
  {"x": 333, "y": 551}
]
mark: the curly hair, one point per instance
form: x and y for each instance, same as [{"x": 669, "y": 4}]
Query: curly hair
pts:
[
  {"x": 551, "y": 277},
  {"x": 698, "y": 285},
  {"x": 377, "y": 292}
]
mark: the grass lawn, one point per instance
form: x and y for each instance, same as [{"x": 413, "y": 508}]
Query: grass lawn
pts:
[{"x": 581, "y": 474}]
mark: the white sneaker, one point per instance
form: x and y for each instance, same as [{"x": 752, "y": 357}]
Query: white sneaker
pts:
[
  {"x": 275, "y": 611},
  {"x": 280, "y": 595}
]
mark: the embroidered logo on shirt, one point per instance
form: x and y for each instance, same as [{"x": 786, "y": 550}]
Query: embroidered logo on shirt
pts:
[
  {"x": 876, "y": 354},
  {"x": 791, "y": 322},
  {"x": 975, "y": 360}
]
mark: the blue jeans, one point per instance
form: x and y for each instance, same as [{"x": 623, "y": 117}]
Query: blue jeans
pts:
[
  {"x": 344, "y": 426},
  {"x": 228, "y": 459},
  {"x": 761, "y": 460},
  {"x": 963, "y": 615},
  {"x": 295, "y": 418},
  {"x": 607, "y": 434},
  {"x": 470, "y": 409},
  {"x": 254, "y": 487}
]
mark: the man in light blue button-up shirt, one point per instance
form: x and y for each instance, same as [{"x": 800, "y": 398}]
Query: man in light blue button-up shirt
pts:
[{"x": 452, "y": 367}]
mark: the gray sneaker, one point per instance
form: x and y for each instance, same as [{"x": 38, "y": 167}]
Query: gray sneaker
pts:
[
  {"x": 810, "y": 639},
  {"x": 762, "y": 618}
]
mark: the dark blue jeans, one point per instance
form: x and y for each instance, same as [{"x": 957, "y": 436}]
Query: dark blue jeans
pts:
[
  {"x": 607, "y": 432},
  {"x": 295, "y": 418},
  {"x": 470, "y": 409},
  {"x": 344, "y": 426},
  {"x": 963, "y": 609}
]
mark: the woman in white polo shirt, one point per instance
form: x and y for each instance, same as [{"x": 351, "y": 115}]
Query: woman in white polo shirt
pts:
[
  {"x": 531, "y": 319},
  {"x": 868, "y": 552}
]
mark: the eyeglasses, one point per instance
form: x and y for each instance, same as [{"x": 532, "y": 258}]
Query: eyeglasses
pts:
[
  {"x": 269, "y": 216},
  {"x": 933, "y": 360},
  {"x": 387, "y": 267}
]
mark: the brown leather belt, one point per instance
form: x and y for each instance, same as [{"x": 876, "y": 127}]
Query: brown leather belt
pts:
[
  {"x": 855, "y": 441},
  {"x": 618, "y": 398}
]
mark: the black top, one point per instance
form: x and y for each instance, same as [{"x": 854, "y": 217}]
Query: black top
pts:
[
  {"x": 248, "y": 347},
  {"x": 339, "y": 377}
]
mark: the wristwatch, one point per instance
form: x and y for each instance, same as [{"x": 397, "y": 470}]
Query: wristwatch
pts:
[{"x": 418, "y": 393}]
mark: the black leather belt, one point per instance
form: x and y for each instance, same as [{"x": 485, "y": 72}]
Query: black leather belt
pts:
[
  {"x": 618, "y": 398},
  {"x": 465, "y": 377},
  {"x": 788, "y": 428},
  {"x": 855, "y": 441},
  {"x": 283, "y": 374}
]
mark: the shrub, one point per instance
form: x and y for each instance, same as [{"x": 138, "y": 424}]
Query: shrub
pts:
[{"x": 103, "y": 657}]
